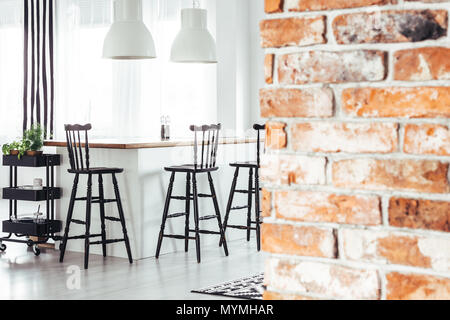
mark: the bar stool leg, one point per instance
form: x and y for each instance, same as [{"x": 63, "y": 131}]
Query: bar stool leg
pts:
[
  {"x": 257, "y": 209},
  {"x": 249, "y": 203},
  {"x": 219, "y": 218},
  {"x": 230, "y": 202},
  {"x": 88, "y": 222},
  {"x": 69, "y": 218},
  {"x": 122, "y": 218},
  {"x": 165, "y": 213},
  {"x": 188, "y": 209},
  {"x": 196, "y": 218},
  {"x": 102, "y": 212}
]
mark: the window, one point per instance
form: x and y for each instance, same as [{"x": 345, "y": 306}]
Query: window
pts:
[{"x": 128, "y": 98}]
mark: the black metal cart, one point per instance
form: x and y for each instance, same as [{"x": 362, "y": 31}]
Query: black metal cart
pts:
[{"x": 44, "y": 229}]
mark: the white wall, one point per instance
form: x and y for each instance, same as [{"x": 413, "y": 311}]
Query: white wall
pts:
[
  {"x": 226, "y": 68},
  {"x": 240, "y": 68},
  {"x": 256, "y": 14}
]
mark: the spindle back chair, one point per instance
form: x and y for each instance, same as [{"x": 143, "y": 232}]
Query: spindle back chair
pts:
[
  {"x": 77, "y": 137},
  {"x": 77, "y": 141},
  {"x": 252, "y": 192},
  {"x": 209, "y": 138},
  {"x": 206, "y": 142}
]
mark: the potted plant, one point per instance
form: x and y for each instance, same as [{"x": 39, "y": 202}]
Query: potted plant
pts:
[
  {"x": 11, "y": 148},
  {"x": 31, "y": 144},
  {"x": 33, "y": 141}
]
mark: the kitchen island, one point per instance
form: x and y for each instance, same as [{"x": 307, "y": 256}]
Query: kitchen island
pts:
[{"x": 143, "y": 187}]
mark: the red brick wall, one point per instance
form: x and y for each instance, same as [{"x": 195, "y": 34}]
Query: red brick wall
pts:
[{"x": 357, "y": 181}]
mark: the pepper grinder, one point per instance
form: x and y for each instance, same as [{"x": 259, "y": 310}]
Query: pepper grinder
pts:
[{"x": 165, "y": 128}]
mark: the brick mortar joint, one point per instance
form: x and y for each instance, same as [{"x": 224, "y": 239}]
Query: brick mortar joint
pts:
[
  {"x": 294, "y": 120},
  {"x": 362, "y": 192},
  {"x": 383, "y": 284},
  {"x": 378, "y": 228},
  {"x": 366, "y": 9},
  {"x": 363, "y": 155},
  {"x": 328, "y": 171},
  {"x": 379, "y": 46},
  {"x": 448, "y": 176},
  {"x": 385, "y": 210},
  {"x": 401, "y": 138},
  {"x": 362, "y": 84},
  {"x": 362, "y": 265}
]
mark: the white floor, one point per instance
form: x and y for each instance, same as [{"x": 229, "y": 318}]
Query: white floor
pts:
[{"x": 173, "y": 276}]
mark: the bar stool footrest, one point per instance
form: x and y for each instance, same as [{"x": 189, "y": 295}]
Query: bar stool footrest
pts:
[
  {"x": 96, "y": 200},
  {"x": 173, "y": 236},
  {"x": 239, "y": 208},
  {"x": 183, "y": 198},
  {"x": 85, "y": 199},
  {"x": 244, "y": 191},
  {"x": 84, "y": 236},
  {"x": 107, "y": 241},
  {"x": 208, "y": 217},
  {"x": 176, "y": 215},
  {"x": 77, "y": 221},
  {"x": 206, "y": 232},
  {"x": 112, "y": 219},
  {"x": 239, "y": 227},
  {"x": 105, "y": 201},
  {"x": 202, "y": 195}
]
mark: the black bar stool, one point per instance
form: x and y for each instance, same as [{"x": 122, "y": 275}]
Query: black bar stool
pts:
[
  {"x": 80, "y": 167},
  {"x": 253, "y": 168},
  {"x": 210, "y": 143}
]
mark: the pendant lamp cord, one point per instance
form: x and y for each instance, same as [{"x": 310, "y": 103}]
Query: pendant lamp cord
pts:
[{"x": 196, "y": 4}]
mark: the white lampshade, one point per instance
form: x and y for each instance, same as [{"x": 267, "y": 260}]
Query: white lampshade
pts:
[
  {"x": 128, "y": 37},
  {"x": 194, "y": 43}
]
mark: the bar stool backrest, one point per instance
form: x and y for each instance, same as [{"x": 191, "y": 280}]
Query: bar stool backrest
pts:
[
  {"x": 259, "y": 128},
  {"x": 75, "y": 142},
  {"x": 209, "y": 136}
]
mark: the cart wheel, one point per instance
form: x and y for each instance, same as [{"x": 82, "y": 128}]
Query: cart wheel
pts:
[
  {"x": 2, "y": 247},
  {"x": 36, "y": 250}
]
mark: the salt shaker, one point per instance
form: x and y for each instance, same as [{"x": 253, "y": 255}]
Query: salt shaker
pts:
[{"x": 165, "y": 128}]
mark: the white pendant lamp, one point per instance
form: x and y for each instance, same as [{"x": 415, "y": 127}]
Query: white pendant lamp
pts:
[
  {"x": 128, "y": 38},
  {"x": 194, "y": 43}
]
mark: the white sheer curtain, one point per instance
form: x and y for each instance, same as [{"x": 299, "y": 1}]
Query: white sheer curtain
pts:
[
  {"x": 128, "y": 98},
  {"x": 189, "y": 91},
  {"x": 11, "y": 69}
]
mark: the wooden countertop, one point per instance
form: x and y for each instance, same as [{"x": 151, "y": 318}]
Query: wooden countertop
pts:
[{"x": 144, "y": 143}]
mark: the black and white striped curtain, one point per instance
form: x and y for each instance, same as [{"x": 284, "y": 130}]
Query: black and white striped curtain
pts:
[{"x": 38, "y": 92}]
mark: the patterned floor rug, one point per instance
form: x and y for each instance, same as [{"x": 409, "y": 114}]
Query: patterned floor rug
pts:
[{"x": 250, "y": 288}]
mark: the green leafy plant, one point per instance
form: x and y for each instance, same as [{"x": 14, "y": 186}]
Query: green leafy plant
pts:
[
  {"x": 7, "y": 148},
  {"x": 33, "y": 139},
  {"x": 25, "y": 146}
]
